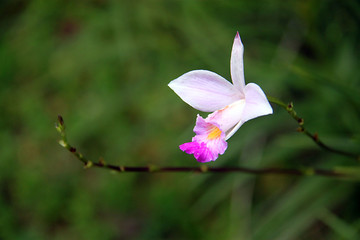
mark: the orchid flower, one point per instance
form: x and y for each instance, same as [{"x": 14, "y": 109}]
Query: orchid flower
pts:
[{"x": 232, "y": 105}]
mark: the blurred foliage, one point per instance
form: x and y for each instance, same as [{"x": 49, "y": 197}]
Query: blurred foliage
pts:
[{"x": 105, "y": 65}]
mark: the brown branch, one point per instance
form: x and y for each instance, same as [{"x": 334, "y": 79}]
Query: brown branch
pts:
[
  {"x": 314, "y": 136},
  {"x": 202, "y": 169}
]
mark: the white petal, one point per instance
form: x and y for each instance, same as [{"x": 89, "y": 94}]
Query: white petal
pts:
[
  {"x": 204, "y": 90},
  {"x": 228, "y": 117},
  {"x": 232, "y": 131},
  {"x": 237, "y": 65},
  {"x": 256, "y": 103}
]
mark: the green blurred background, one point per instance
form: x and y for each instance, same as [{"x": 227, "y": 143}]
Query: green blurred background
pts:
[{"x": 105, "y": 65}]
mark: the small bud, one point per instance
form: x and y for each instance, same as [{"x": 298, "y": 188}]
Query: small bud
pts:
[
  {"x": 63, "y": 143},
  {"x": 316, "y": 137},
  {"x": 58, "y": 127},
  {"x": 301, "y": 121},
  {"x": 72, "y": 149},
  {"x": 308, "y": 171},
  {"x": 152, "y": 168},
  {"x": 300, "y": 129},
  {"x": 204, "y": 168},
  {"x": 61, "y": 120},
  {"x": 290, "y": 106},
  {"x": 101, "y": 161},
  {"x": 88, "y": 164}
]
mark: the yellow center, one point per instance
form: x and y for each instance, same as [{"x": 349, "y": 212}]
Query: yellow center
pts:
[{"x": 215, "y": 132}]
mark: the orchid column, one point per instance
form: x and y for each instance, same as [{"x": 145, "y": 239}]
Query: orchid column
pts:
[{"x": 231, "y": 104}]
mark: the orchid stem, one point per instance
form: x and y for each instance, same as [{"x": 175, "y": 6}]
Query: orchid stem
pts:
[
  {"x": 307, "y": 171},
  {"x": 314, "y": 136}
]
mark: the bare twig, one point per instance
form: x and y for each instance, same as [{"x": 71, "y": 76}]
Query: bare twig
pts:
[
  {"x": 308, "y": 171},
  {"x": 314, "y": 136}
]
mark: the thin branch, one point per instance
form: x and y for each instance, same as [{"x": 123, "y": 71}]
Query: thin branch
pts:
[
  {"x": 315, "y": 137},
  {"x": 308, "y": 171}
]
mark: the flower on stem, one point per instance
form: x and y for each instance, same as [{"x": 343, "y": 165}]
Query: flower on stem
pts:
[{"x": 232, "y": 105}]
